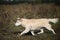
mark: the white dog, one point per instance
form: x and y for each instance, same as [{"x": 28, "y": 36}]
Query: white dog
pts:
[{"x": 35, "y": 24}]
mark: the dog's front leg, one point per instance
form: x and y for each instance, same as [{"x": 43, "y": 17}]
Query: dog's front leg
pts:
[
  {"x": 25, "y": 31},
  {"x": 41, "y": 31},
  {"x": 32, "y": 32}
]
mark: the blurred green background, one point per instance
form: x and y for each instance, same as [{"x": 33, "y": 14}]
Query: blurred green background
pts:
[
  {"x": 29, "y": 1},
  {"x": 9, "y": 13}
]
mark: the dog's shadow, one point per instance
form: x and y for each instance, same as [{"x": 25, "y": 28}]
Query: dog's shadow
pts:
[
  {"x": 29, "y": 33},
  {"x": 18, "y": 32}
]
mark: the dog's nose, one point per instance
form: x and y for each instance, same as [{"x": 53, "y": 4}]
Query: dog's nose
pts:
[{"x": 17, "y": 24}]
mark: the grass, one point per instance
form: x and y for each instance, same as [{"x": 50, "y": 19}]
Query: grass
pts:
[{"x": 9, "y": 13}]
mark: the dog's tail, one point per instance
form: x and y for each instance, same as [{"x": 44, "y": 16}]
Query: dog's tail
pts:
[{"x": 53, "y": 20}]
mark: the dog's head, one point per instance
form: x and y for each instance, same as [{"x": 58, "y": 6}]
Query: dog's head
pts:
[{"x": 18, "y": 22}]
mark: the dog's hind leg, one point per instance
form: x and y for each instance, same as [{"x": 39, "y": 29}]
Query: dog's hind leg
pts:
[
  {"x": 41, "y": 31},
  {"x": 50, "y": 28},
  {"x": 53, "y": 31}
]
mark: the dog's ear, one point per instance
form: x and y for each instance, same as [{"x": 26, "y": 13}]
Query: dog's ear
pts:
[{"x": 18, "y": 18}]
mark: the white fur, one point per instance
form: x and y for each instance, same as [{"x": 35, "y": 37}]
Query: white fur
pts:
[
  {"x": 53, "y": 20},
  {"x": 17, "y": 23},
  {"x": 35, "y": 24}
]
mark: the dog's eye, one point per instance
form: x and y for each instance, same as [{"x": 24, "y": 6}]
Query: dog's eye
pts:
[{"x": 17, "y": 21}]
